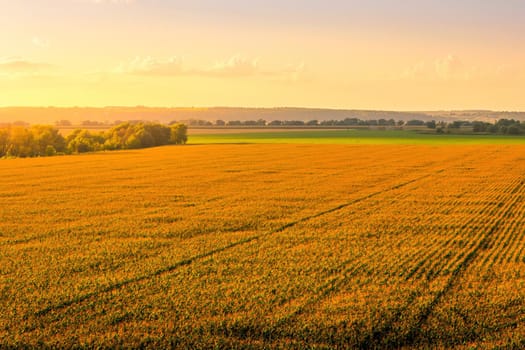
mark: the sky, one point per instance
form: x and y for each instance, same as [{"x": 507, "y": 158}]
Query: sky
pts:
[{"x": 355, "y": 54}]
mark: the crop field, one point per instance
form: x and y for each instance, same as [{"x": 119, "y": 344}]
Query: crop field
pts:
[{"x": 265, "y": 246}]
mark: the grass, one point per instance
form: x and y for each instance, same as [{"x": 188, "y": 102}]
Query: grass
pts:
[{"x": 352, "y": 137}]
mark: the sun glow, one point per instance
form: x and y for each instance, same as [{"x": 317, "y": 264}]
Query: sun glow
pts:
[{"x": 436, "y": 55}]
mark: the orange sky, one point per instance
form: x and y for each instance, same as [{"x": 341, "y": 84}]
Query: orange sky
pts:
[{"x": 376, "y": 54}]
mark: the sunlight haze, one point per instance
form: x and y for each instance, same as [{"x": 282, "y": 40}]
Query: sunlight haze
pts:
[{"x": 379, "y": 54}]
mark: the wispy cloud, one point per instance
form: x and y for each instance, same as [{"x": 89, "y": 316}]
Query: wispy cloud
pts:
[
  {"x": 151, "y": 66},
  {"x": 17, "y": 67},
  {"x": 291, "y": 73},
  {"x": 40, "y": 42},
  {"x": 21, "y": 65},
  {"x": 236, "y": 66},
  {"x": 449, "y": 67}
]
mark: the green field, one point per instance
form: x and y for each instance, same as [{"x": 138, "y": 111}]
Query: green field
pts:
[{"x": 351, "y": 136}]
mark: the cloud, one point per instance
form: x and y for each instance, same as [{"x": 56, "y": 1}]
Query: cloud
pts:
[
  {"x": 292, "y": 73},
  {"x": 16, "y": 68},
  {"x": 233, "y": 67},
  {"x": 445, "y": 68},
  {"x": 39, "y": 42},
  {"x": 508, "y": 72},
  {"x": 238, "y": 66},
  {"x": 18, "y": 65},
  {"x": 152, "y": 66},
  {"x": 417, "y": 71},
  {"x": 449, "y": 67}
]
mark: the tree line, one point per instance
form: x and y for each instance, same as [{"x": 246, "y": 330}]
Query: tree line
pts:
[
  {"x": 502, "y": 126},
  {"x": 262, "y": 122},
  {"x": 46, "y": 140},
  {"x": 314, "y": 122}
]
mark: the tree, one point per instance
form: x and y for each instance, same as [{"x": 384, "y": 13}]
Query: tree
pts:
[
  {"x": 44, "y": 140},
  {"x": 20, "y": 143},
  {"x": 293, "y": 122},
  {"x": 4, "y": 141},
  {"x": 63, "y": 122},
  {"x": 431, "y": 124},
  {"x": 137, "y": 135},
  {"x": 81, "y": 141},
  {"x": 153, "y": 134},
  {"x": 178, "y": 134},
  {"x": 50, "y": 151},
  {"x": 478, "y": 126},
  {"x": 415, "y": 122},
  {"x": 513, "y": 130},
  {"x": 44, "y": 136}
]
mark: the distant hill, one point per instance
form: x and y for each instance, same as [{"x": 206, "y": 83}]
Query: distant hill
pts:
[{"x": 76, "y": 115}]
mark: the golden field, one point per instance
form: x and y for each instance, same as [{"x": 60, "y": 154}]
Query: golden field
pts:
[{"x": 280, "y": 246}]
